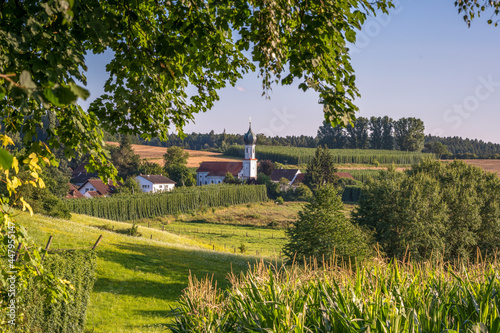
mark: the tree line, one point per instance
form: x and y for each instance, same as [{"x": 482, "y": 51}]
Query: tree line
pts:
[{"x": 405, "y": 134}]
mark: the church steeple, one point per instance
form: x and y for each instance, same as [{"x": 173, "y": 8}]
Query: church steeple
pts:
[{"x": 250, "y": 138}]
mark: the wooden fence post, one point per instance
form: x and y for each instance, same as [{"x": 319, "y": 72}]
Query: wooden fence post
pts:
[
  {"x": 97, "y": 242},
  {"x": 47, "y": 247}
]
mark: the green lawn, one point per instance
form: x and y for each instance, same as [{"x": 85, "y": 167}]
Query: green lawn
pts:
[{"x": 138, "y": 279}]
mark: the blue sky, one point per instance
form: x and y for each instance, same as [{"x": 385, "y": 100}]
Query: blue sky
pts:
[{"x": 421, "y": 61}]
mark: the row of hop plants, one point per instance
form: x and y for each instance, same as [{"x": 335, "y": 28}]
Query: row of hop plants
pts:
[
  {"x": 362, "y": 175},
  {"x": 299, "y": 155},
  {"x": 148, "y": 205},
  {"x": 370, "y": 297}
]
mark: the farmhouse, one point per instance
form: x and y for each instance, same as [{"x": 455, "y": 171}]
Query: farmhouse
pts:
[
  {"x": 96, "y": 188},
  {"x": 215, "y": 172},
  {"x": 79, "y": 176},
  {"x": 288, "y": 174},
  {"x": 155, "y": 183},
  {"x": 73, "y": 192}
]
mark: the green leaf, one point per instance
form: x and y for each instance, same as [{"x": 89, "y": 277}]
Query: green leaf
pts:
[
  {"x": 5, "y": 159},
  {"x": 79, "y": 91},
  {"x": 26, "y": 81}
]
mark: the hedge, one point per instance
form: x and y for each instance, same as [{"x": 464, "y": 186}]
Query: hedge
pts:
[{"x": 76, "y": 266}]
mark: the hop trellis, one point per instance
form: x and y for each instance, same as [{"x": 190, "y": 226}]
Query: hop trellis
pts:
[{"x": 148, "y": 205}]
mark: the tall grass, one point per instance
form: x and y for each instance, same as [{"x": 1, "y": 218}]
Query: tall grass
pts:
[{"x": 373, "y": 297}]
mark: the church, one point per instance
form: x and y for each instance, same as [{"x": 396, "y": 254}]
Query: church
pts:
[{"x": 215, "y": 172}]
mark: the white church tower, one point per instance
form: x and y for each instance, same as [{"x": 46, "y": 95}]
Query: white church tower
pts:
[{"x": 250, "y": 162}]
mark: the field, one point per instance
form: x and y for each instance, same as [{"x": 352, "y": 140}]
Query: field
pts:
[
  {"x": 155, "y": 154},
  {"x": 297, "y": 156},
  {"x": 139, "y": 279},
  {"x": 488, "y": 165}
]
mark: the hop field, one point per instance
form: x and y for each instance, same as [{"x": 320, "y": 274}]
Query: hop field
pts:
[
  {"x": 148, "y": 205},
  {"x": 297, "y": 155}
]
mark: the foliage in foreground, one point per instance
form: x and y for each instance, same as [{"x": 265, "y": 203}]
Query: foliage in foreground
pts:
[
  {"x": 375, "y": 297},
  {"x": 75, "y": 266},
  {"x": 148, "y": 205}
]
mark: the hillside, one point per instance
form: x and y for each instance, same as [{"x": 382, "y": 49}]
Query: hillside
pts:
[
  {"x": 138, "y": 279},
  {"x": 155, "y": 154}
]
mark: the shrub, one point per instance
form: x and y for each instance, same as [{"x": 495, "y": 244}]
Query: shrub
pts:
[{"x": 280, "y": 201}]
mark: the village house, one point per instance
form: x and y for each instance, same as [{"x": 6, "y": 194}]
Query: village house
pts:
[
  {"x": 97, "y": 188},
  {"x": 215, "y": 172},
  {"x": 155, "y": 183}
]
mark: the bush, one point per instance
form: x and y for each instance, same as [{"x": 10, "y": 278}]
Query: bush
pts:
[
  {"x": 433, "y": 209},
  {"x": 280, "y": 201},
  {"x": 75, "y": 266}
]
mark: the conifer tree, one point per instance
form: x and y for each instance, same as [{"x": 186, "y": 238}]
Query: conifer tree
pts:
[
  {"x": 321, "y": 170},
  {"x": 322, "y": 230}
]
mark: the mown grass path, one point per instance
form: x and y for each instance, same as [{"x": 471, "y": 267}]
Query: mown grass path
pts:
[{"x": 138, "y": 279}]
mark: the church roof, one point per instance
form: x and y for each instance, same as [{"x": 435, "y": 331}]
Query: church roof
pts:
[
  {"x": 250, "y": 138},
  {"x": 220, "y": 168}
]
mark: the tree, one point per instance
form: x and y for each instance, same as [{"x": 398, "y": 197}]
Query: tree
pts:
[
  {"x": 409, "y": 134},
  {"x": 322, "y": 230},
  {"x": 321, "y": 169},
  {"x": 181, "y": 175},
  {"x": 124, "y": 159},
  {"x": 332, "y": 137},
  {"x": 150, "y": 168},
  {"x": 266, "y": 167},
  {"x": 130, "y": 186},
  {"x": 474, "y": 8},
  {"x": 437, "y": 148},
  {"x": 434, "y": 209},
  {"x": 175, "y": 156},
  {"x": 230, "y": 179},
  {"x": 358, "y": 134},
  {"x": 387, "y": 133},
  {"x": 377, "y": 133}
]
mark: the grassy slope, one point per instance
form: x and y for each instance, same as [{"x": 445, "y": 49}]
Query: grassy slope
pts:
[
  {"x": 228, "y": 228},
  {"x": 138, "y": 279}
]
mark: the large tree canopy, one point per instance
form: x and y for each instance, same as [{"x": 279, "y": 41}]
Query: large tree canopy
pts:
[{"x": 160, "y": 49}]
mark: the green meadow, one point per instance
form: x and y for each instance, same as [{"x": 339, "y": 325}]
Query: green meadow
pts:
[{"x": 138, "y": 279}]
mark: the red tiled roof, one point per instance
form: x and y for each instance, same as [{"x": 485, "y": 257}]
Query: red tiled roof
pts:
[
  {"x": 73, "y": 192},
  {"x": 102, "y": 189},
  {"x": 344, "y": 175},
  {"x": 220, "y": 168},
  {"x": 93, "y": 194},
  {"x": 158, "y": 179},
  {"x": 283, "y": 173}
]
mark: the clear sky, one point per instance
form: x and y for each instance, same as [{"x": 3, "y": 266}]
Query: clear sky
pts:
[{"x": 420, "y": 61}]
